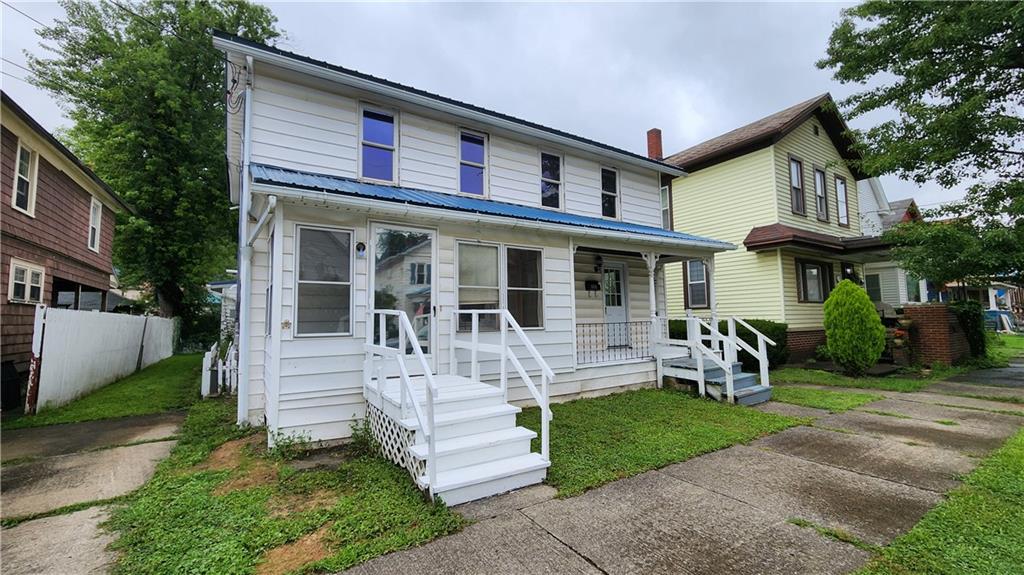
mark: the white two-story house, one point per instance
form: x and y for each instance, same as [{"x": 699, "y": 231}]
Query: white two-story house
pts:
[{"x": 431, "y": 264}]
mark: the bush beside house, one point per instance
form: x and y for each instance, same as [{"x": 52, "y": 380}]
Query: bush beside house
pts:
[{"x": 854, "y": 332}]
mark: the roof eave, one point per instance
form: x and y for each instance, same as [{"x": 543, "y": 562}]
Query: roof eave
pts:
[{"x": 305, "y": 65}]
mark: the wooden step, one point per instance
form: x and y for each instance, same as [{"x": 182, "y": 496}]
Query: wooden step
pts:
[
  {"x": 472, "y": 482},
  {"x": 477, "y": 448},
  {"x": 468, "y": 421}
]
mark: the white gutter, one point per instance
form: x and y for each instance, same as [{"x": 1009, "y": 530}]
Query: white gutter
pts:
[
  {"x": 245, "y": 256},
  {"x": 292, "y": 63},
  {"x": 395, "y": 209},
  {"x": 262, "y": 221}
]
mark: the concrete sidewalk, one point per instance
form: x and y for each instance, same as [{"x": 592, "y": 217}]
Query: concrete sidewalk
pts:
[
  {"x": 870, "y": 475},
  {"x": 69, "y": 464}
]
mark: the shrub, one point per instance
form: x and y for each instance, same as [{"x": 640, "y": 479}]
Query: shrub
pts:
[
  {"x": 854, "y": 332},
  {"x": 773, "y": 330},
  {"x": 821, "y": 353},
  {"x": 971, "y": 315}
]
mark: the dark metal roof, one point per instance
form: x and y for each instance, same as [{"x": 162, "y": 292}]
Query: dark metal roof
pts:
[
  {"x": 39, "y": 129},
  {"x": 655, "y": 164},
  {"x": 774, "y": 236},
  {"x": 273, "y": 175}
]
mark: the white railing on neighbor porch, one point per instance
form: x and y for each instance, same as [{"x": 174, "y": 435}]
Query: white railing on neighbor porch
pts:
[
  {"x": 503, "y": 349},
  {"x": 381, "y": 349}
]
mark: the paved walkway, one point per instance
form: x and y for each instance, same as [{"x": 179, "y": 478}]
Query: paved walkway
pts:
[
  {"x": 60, "y": 465},
  {"x": 870, "y": 475}
]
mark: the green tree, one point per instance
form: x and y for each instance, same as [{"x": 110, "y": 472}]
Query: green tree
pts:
[
  {"x": 145, "y": 89},
  {"x": 854, "y": 333},
  {"x": 954, "y": 74}
]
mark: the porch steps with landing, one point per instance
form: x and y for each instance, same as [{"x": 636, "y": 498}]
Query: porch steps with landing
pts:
[{"x": 747, "y": 390}]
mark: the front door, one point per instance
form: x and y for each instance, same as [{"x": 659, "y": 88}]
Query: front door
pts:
[
  {"x": 403, "y": 279},
  {"x": 616, "y": 313}
]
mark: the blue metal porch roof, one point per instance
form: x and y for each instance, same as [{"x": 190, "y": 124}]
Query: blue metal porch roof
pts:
[{"x": 274, "y": 175}]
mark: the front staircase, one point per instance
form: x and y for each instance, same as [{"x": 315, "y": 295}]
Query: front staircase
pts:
[{"x": 456, "y": 435}]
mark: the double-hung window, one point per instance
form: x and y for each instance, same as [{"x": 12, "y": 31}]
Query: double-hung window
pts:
[
  {"x": 478, "y": 283},
  {"x": 324, "y": 282},
  {"x": 820, "y": 195},
  {"x": 796, "y": 186},
  {"x": 472, "y": 163},
  {"x": 609, "y": 193},
  {"x": 666, "y": 209},
  {"x": 95, "y": 220},
  {"x": 551, "y": 180},
  {"x": 26, "y": 284},
  {"x": 24, "y": 193},
  {"x": 873, "y": 285},
  {"x": 696, "y": 284},
  {"x": 843, "y": 201},
  {"x": 419, "y": 273},
  {"x": 814, "y": 281},
  {"x": 484, "y": 283},
  {"x": 378, "y": 145},
  {"x": 524, "y": 287}
]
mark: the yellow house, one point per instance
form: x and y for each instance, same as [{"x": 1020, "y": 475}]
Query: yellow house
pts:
[{"x": 784, "y": 191}]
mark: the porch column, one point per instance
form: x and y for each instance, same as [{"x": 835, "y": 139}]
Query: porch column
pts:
[
  {"x": 992, "y": 298},
  {"x": 651, "y": 259}
]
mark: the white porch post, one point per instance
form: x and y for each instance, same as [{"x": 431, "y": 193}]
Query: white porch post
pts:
[
  {"x": 992, "y": 299},
  {"x": 651, "y": 259}
]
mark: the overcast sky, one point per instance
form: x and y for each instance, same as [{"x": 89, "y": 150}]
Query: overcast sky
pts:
[{"x": 604, "y": 71}]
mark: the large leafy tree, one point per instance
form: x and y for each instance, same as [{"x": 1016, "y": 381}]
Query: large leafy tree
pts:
[
  {"x": 145, "y": 89},
  {"x": 954, "y": 74}
]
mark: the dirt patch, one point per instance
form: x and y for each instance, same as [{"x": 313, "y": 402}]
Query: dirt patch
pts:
[
  {"x": 257, "y": 473},
  {"x": 231, "y": 454},
  {"x": 286, "y": 558},
  {"x": 282, "y": 505}
]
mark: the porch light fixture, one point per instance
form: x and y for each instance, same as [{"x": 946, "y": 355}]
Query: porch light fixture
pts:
[
  {"x": 598, "y": 263},
  {"x": 360, "y": 250}
]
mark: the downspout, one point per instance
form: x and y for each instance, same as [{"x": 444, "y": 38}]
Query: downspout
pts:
[{"x": 245, "y": 256}]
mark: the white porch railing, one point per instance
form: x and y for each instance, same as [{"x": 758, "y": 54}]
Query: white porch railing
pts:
[
  {"x": 506, "y": 355},
  {"x": 612, "y": 342},
  {"x": 380, "y": 349}
]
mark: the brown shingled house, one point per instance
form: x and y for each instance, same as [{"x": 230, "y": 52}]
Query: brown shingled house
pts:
[{"x": 57, "y": 230}]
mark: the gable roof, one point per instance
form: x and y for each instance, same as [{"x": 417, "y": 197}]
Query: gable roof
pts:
[
  {"x": 36, "y": 127},
  {"x": 769, "y": 130},
  {"x": 223, "y": 40},
  {"x": 899, "y": 211}
]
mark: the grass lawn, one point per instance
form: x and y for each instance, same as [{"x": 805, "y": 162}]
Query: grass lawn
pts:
[
  {"x": 594, "y": 441},
  {"x": 833, "y": 401},
  {"x": 221, "y": 504},
  {"x": 169, "y": 384},
  {"x": 978, "y": 529}
]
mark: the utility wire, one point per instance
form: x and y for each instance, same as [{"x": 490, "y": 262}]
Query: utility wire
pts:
[
  {"x": 17, "y": 65},
  {"x": 24, "y": 14}
]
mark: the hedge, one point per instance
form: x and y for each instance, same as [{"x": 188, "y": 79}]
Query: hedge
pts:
[{"x": 776, "y": 331}]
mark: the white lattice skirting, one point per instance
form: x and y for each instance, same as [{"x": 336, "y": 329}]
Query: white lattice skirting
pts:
[{"x": 394, "y": 441}]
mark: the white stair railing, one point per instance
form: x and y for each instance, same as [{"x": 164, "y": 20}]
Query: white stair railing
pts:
[
  {"x": 503, "y": 323},
  {"x": 761, "y": 353},
  {"x": 722, "y": 348},
  {"x": 381, "y": 349}
]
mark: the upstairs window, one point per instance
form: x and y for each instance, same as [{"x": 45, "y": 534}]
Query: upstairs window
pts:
[
  {"x": 419, "y": 273},
  {"x": 609, "y": 193},
  {"x": 843, "y": 201},
  {"x": 472, "y": 163},
  {"x": 95, "y": 218},
  {"x": 666, "y": 208},
  {"x": 696, "y": 284},
  {"x": 323, "y": 298},
  {"x": 24, "y": 193},
  {"x": 796, "y": 186},
  {"x": 377, "y": 146},
  {"x": 820, "y": 197},
  {"x": 26, "y": 285},
  {"x": 551, "y": 181},
  {"x": 814, "y": 281}
]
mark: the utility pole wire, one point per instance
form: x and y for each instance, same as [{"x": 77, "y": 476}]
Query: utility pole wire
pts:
[{"x": 24, "y": 14}]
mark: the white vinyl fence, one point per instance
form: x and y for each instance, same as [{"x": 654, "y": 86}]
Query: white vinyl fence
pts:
[{"x": 75, "y": 352}]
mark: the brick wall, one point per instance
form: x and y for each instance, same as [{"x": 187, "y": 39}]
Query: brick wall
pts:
[
  {"x": 803, "y": 342},
  {"x": 936, "y": 336}
]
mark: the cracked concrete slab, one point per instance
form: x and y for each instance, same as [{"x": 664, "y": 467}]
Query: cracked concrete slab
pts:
[
  {"x": 509, "y": 544},
  {"x": 872, "y": 509},
  {"x": 657, "y": 524},
  {"x": 55, "y": 482},
  {"x": 72, "y": 544},
  {"x": 506, "y": 502},
  {"x": 985, "y": 391},
  {"x": 1012, "y": 376},
  {"x": 88, "y": 435},
  {"x": 970, "y": 440},
  {"x": 996, "y": 422},
  {"x": 960, "y": 401},
  {"x": 921, "y": 466}
]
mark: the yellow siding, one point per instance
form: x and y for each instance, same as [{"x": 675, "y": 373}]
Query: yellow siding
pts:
[
  {"x": 814, "y": 151},
  {"x": 804, "y": 315},
  {"x": 724, "y": 202}
]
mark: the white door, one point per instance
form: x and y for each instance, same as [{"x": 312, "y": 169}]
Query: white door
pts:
[{"x": 616, "y": 313}]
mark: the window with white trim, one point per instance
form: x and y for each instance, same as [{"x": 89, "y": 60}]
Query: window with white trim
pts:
[
  {"x": 26, "y": 283},
  {"x": 820, "y": 195},
  {"x": 524, "y": 289},
  {"x": 478, "y": 285},
  {"x": 95, "y": 220},
  {"x": 419, "y": 273},
  {"x": 696, "y": 284},
  {"x": 666, "y": 208},
  {"x": 23, "y": 195},
  {"x": 551, "y": 180},
  {"x": 378, "y": 137},
  {"x": 609, "y": 193},
  {"x": 483, "y": 283},
  {"x": 472, "y": 163},
  {"x": 843, "y": 201},
  {"x": 323, "y": 282}
]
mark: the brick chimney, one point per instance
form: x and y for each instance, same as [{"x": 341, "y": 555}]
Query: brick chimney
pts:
[{"x": 654, "y": 144}]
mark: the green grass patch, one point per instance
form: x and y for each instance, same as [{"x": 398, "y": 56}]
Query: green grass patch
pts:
[
  {"x": 169, "y": 384},
  {"x": 833, "y": 401},
  {"x": 818, "y": 377},
  {"x": 886, "y": 413},
  {"x": 186, "y": 520},
  {"x": 594, "y": 441},
  {"x": 946, "y": 422},
  {"x": 837, "y": 534},
  {"x": 978, "y": 529}
]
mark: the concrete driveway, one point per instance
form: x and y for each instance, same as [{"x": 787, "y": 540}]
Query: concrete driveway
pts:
[
  {"x": 47, "y": 468},
  {"x": 872, "y": 476}
]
